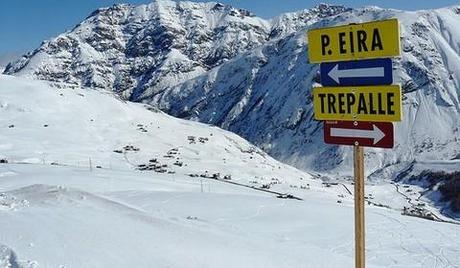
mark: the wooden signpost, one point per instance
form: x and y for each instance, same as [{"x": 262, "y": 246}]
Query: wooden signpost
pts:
[{"x": 357, "y": 100}]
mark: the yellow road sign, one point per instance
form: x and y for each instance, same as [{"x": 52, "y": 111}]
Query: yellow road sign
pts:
[
  {"x": 363, "y": 103},
  {"x": 377, "y": 39}
]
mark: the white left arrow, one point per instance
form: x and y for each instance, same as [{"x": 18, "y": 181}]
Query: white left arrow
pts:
[
  {"x": 336, "y": 74},
  {"x": 376, "y": 134}
]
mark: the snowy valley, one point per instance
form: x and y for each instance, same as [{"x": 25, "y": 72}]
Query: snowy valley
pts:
[{"x": 139, "y": 188}]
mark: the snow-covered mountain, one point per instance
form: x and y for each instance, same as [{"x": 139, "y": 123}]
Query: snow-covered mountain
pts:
[
  {"x": 224, "y": 66},
  {"x": 139, "y": 51},
  {"x": 267, "y": 96}
]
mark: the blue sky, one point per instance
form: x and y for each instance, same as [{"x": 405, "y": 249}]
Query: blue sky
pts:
[{"x": 24, "y": 24}]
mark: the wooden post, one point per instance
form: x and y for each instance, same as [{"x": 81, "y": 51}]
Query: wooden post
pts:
[{"x": 358, "y": 155}]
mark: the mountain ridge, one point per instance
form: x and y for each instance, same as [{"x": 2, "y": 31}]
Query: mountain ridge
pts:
[{"x": 126, "y": 31}]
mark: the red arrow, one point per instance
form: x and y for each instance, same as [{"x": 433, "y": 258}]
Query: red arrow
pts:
[{"x": 371, "y": 134}]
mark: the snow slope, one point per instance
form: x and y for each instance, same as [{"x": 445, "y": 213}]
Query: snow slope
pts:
[
  {"x": 72, "y": 126},
  {"x": 59, "y": 210},
  {"x": 55, "y": 216}
]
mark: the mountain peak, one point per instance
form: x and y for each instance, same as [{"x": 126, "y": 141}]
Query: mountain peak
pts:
[
  {"x": 108, "y": 10},
  {"x": 295, "y": 21},
  {"x": 326, "y": 8}
]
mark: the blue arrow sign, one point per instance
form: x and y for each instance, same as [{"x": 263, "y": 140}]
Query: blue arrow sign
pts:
[{"x": 357, "y": 73}]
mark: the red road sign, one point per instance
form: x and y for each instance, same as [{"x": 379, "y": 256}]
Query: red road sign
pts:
[{"x": 370, "y": 134}]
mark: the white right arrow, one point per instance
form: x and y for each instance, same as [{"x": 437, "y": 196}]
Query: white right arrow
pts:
[
  {"x": 376, "y": 134},
  {"x": 336, "y": 74}
]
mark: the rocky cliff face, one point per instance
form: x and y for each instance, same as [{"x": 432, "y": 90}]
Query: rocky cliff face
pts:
[
  {"x": 224, "y": 66},
  {"x": 139, "y": 51}
]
